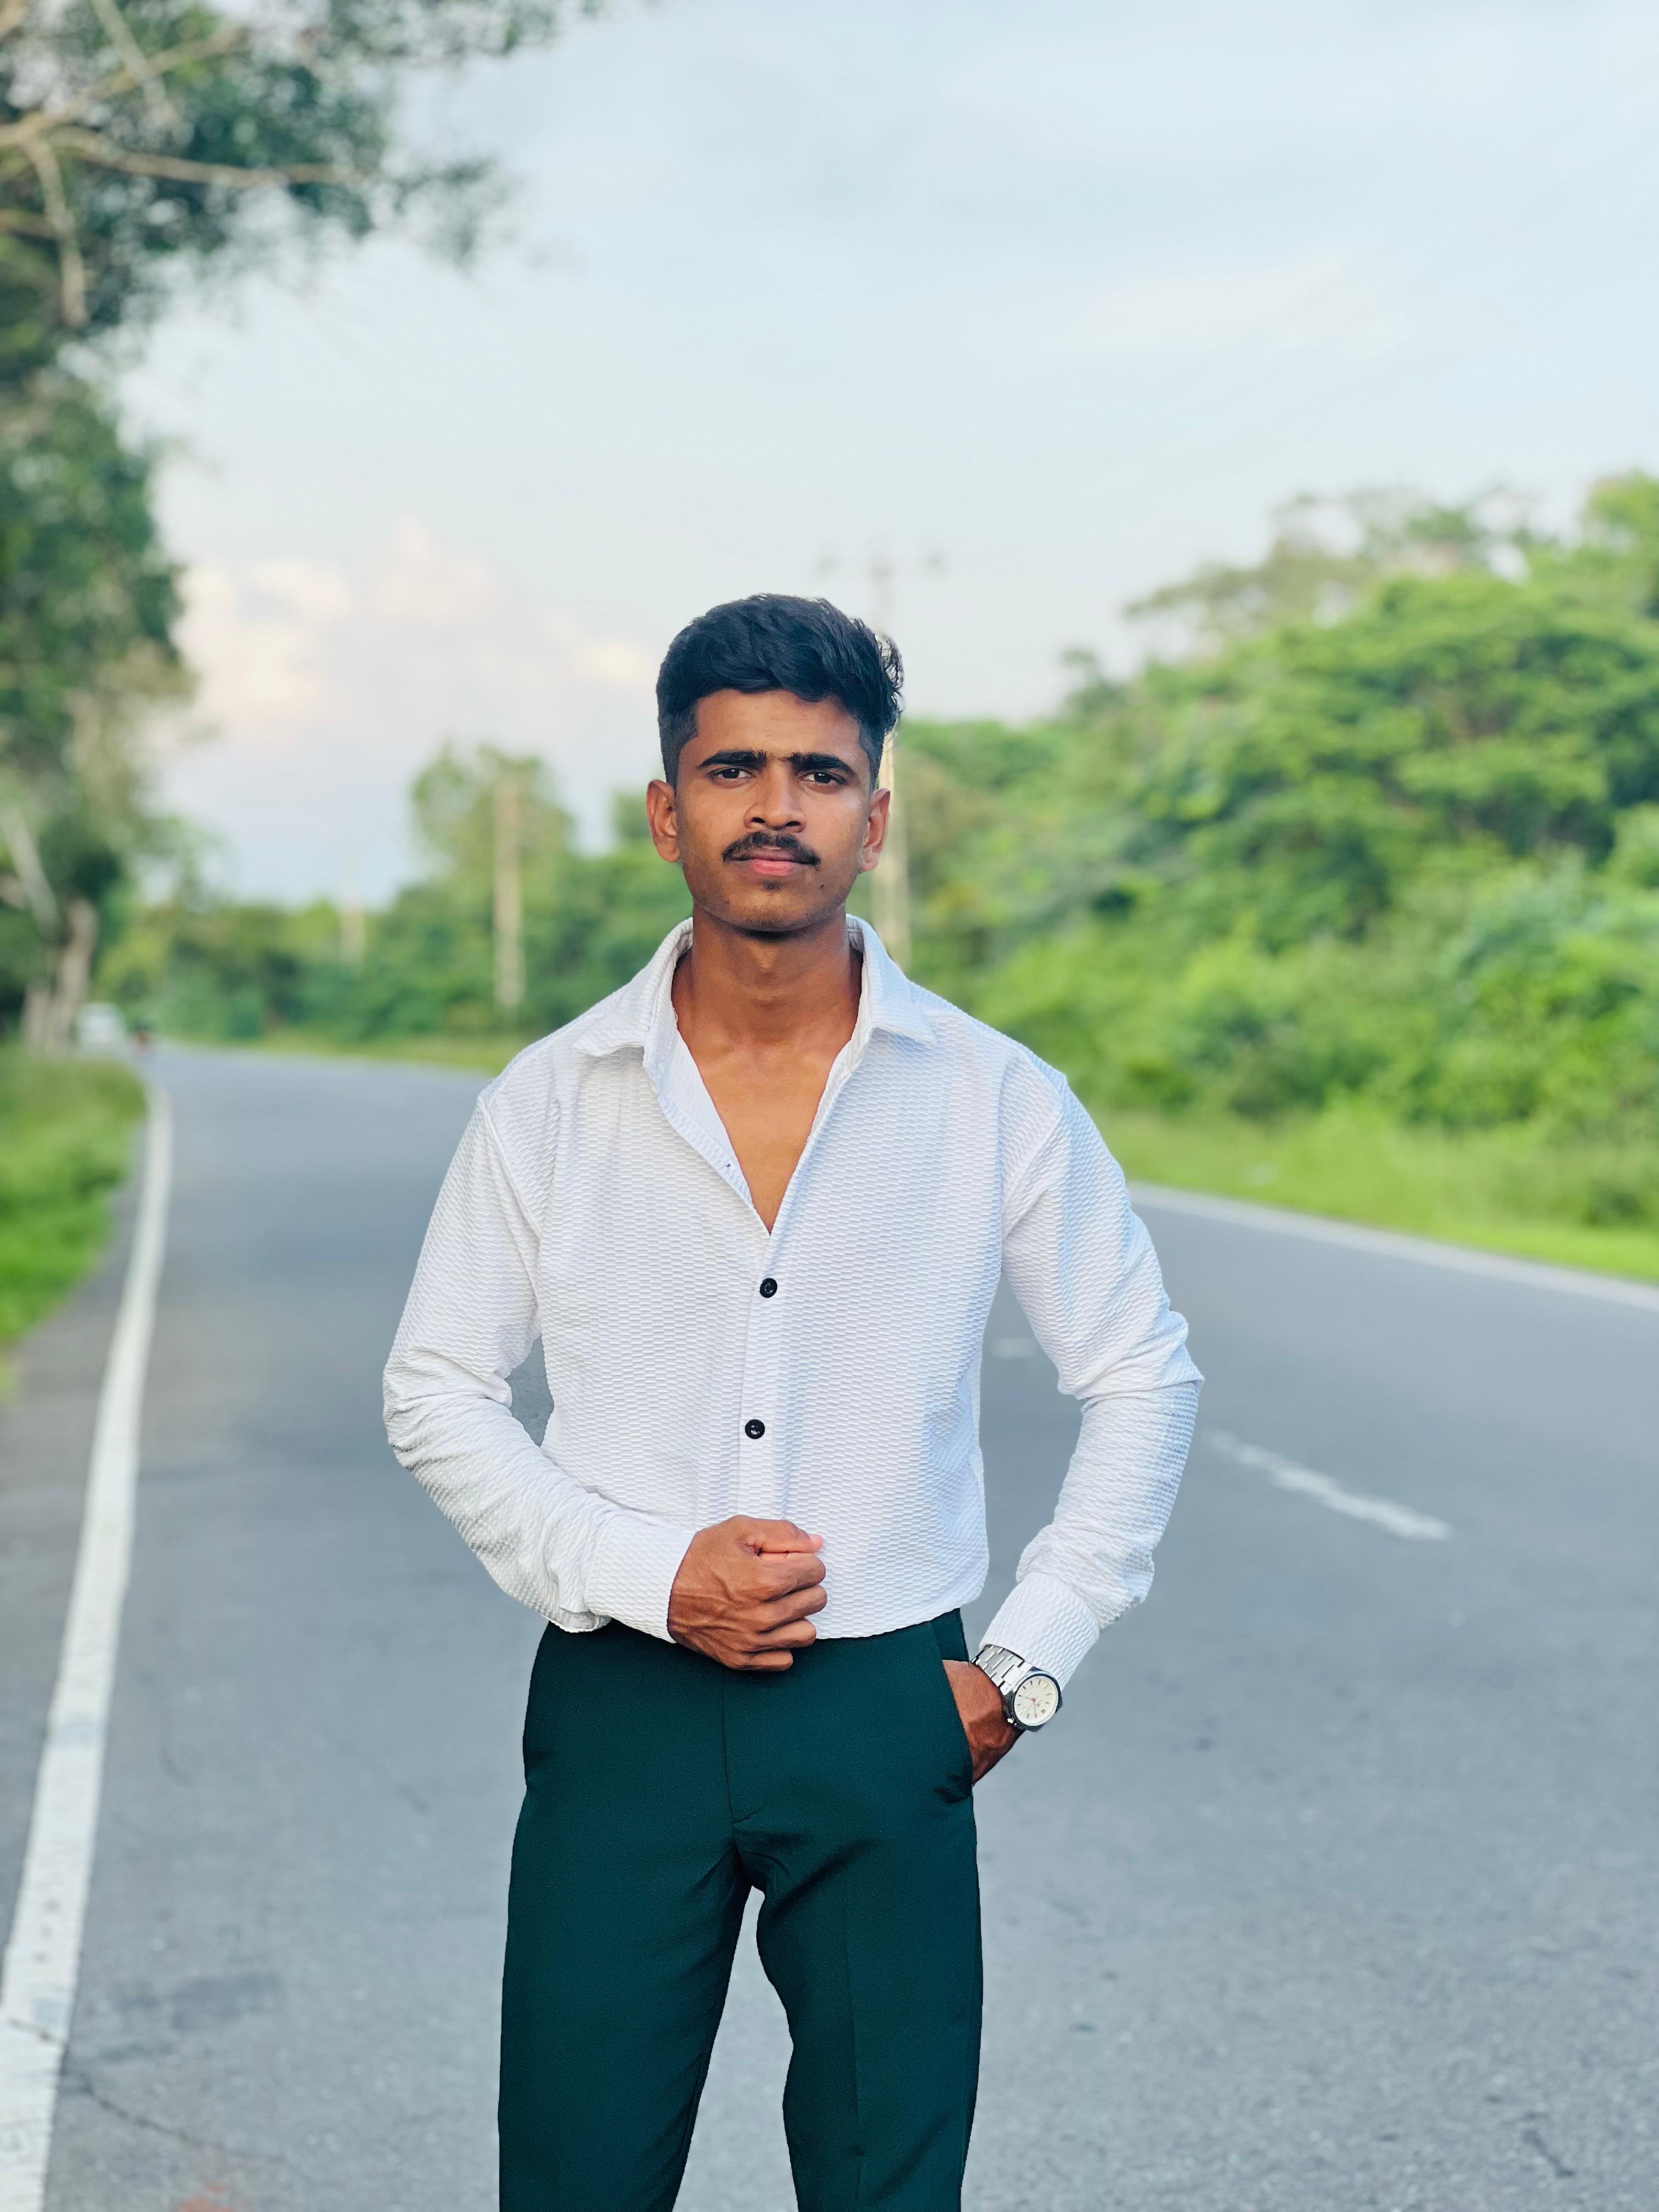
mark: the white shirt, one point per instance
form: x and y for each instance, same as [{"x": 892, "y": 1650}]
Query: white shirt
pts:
[{"x": 596, "y": 1200}]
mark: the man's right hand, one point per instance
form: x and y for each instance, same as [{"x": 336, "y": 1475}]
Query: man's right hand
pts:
[{"x": 745, "y": 1592}]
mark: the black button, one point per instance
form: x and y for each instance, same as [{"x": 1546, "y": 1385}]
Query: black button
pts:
[
  {"x": 756, "y": 1429},
  {"x": 769, "y": 1286}
]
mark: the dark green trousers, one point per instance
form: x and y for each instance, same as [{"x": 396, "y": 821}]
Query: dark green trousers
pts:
[{"x": 660, "y": 1787}]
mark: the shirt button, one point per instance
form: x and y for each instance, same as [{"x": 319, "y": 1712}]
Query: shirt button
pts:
[
  {"x": 769, "y": 1286},
  {"x": 755, "y": 1429}
]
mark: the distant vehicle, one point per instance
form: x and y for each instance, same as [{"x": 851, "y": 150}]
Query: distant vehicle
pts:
[{"x": 100, "y": 1028}]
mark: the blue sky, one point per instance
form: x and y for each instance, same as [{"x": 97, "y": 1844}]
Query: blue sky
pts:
[{"x": 1070, "y": 295}]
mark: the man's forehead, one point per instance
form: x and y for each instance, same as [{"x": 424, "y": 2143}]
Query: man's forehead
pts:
[{"x": 775, "y": 723}]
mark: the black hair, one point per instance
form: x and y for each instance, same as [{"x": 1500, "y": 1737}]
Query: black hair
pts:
[{"x": 772, "y": 642}]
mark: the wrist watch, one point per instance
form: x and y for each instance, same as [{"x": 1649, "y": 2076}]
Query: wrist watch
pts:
[{"x": 1030, "y": 1699}]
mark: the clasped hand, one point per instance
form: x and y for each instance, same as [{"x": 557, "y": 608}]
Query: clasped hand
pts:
[
  {"x": 745, "y": 1595},
  {"x": 746, "y": 1591}
]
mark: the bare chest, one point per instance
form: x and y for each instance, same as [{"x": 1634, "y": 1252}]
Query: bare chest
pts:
[{"x": 768, "y": 1109}]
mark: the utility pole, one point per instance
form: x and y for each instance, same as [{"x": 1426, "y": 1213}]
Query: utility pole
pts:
[
  {"x": 890, "y": 894},
  {"x": 509, "y": 891},
  {"x": 354, "y": 927}
]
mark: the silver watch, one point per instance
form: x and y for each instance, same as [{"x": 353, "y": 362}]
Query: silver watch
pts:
[{"x": 1030, "y": 1699}]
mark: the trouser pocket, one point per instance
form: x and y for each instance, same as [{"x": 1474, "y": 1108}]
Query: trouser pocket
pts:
[{"x": 942, "y": 1639}]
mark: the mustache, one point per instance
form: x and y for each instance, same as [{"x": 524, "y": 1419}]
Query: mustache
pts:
[{"x": 761, "y": 841}]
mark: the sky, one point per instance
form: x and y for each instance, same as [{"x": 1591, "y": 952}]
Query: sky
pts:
[{"x": 1043, "y": 301}]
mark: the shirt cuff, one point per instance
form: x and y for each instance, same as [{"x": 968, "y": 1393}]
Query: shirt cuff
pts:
[
  {"x": 1046, "y": 1622},
  {"x": 631, "y": 1573}
]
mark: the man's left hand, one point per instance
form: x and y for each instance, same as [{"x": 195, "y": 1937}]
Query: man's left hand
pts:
[{"x": 991, "y": 1735}]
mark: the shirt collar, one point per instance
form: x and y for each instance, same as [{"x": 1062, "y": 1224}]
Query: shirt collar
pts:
[{"x": 641, "y": 1014}]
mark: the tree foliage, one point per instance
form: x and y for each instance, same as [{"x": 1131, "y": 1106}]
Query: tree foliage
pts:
[
  {"x": 1326, "y": 554},
  {"x": 87, "y": 595},
  {"x": 142, "y": 141},
  {"x": 590, "y": 921},
  {"x": 1403, "y": 853},
  {"x": 139, "y": 138},
  {"x": 1407, "y": 853}
]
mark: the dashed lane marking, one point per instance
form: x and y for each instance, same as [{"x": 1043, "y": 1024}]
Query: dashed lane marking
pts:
[{"x": 1404, "y": 1521}]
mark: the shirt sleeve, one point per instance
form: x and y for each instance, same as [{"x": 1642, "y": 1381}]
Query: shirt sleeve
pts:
[
  {"x": 570, "y": 1554},
  {"x": 1082, "y": 1268}
]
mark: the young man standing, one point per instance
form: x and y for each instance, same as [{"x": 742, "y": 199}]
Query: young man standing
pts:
[{"x": 755, "y": 1204}]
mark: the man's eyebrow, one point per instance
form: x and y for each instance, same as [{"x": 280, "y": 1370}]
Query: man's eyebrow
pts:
[
  {"x": 808, "y": 763},
  {"x": 813, "y": 762},
  {"x": 734, "y": 756}
]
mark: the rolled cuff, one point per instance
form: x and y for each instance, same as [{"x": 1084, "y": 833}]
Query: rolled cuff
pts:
[
  {"x": 632, "y": 1571},
  {"x": 1047, "y": 1623}
]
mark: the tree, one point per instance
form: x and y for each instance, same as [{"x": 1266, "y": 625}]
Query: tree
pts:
[
  {"x": 1404, "y": 851},
  {"x": 1325, "y": 554},
  {"x": 138, "y": 137},
  {"x": 87, "y": 601},
  {"x": 142, "y": 141}
]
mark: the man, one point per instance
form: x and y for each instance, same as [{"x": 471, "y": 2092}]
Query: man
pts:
[{"x": 755, "y": 1204}]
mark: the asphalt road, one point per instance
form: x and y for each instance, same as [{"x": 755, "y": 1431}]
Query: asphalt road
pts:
[{"x": 1335, "y": 1888}]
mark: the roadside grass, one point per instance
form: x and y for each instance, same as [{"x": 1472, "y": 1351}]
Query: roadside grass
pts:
[
  {"x": 65, "y": 1146},
  {"x": 1505, "y": 1189}
]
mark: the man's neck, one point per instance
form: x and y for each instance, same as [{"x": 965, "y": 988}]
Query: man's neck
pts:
[{"x": 734, "y": 992}]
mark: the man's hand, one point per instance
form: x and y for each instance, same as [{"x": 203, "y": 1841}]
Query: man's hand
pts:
[
  {"x": 991, "y": 1735},
  {"x": 745, "y": 1592}
]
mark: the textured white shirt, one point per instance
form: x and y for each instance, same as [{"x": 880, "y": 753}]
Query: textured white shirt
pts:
[{"x": 826, "y": 1372}]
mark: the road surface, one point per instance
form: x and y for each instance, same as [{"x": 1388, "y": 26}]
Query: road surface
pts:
[{"x": 1335, "y": 1888}]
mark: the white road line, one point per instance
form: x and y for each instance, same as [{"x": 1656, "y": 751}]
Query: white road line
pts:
[
  {"x": 1284, "y": 1474},
  {"x": 1391, "y": 1243},
  {"x": 43, "y": 1957}
]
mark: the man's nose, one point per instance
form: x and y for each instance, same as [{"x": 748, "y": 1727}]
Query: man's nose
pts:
[{"x": 774, "y": 798}]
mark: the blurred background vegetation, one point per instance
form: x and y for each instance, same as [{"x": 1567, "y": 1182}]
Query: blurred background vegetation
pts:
[
  {"x": 145, "y": 144},
  {"x": 1350, "y": 898}
]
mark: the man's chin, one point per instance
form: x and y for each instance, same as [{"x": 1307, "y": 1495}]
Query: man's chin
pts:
[{"x": 771, "y": 913}]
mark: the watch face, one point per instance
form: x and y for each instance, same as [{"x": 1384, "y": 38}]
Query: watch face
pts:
[{"x": 1036, "y": 1700}]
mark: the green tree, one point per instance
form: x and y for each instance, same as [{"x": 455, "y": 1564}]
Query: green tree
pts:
[
  {"x": 142, "y": 142},
  {"x": 1404, "y": 850},
  {"x": 139, "y": 138},
  {"x": 1326, "y": 554},
  {"x": 88, "y": 602}
]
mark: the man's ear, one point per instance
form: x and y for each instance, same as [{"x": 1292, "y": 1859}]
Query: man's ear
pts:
[
  {"x": 662, "y": 812},
  {"x": 875, "y": 830}
]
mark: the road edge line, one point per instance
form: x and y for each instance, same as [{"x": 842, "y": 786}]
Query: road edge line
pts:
[
  {"x": 43, "y": 1954},
  {"x": 1399, "y": 1244}
]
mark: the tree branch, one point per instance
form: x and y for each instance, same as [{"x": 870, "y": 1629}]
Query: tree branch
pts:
[
  {"x": 44, "y": 121},
  {"x": 120, "y": 32},
  {"x": 30, "y": 876},
  {"x": 71, "y": 269},
  {"x": 12, "y": 12},
  {"x": 90, "y": 146}
]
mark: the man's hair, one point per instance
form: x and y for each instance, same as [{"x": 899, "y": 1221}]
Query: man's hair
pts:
[{"x": 774, "y": 643}]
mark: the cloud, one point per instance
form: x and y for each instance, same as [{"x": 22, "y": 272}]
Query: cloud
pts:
[
  {"x": 328, "y": 684},
  {"x": 255, "y": 655}
]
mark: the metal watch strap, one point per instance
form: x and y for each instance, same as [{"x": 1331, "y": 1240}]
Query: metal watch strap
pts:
[
  {"x": 1004, "y": 1666},
  {"x": 1007, "y": 1670}
]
